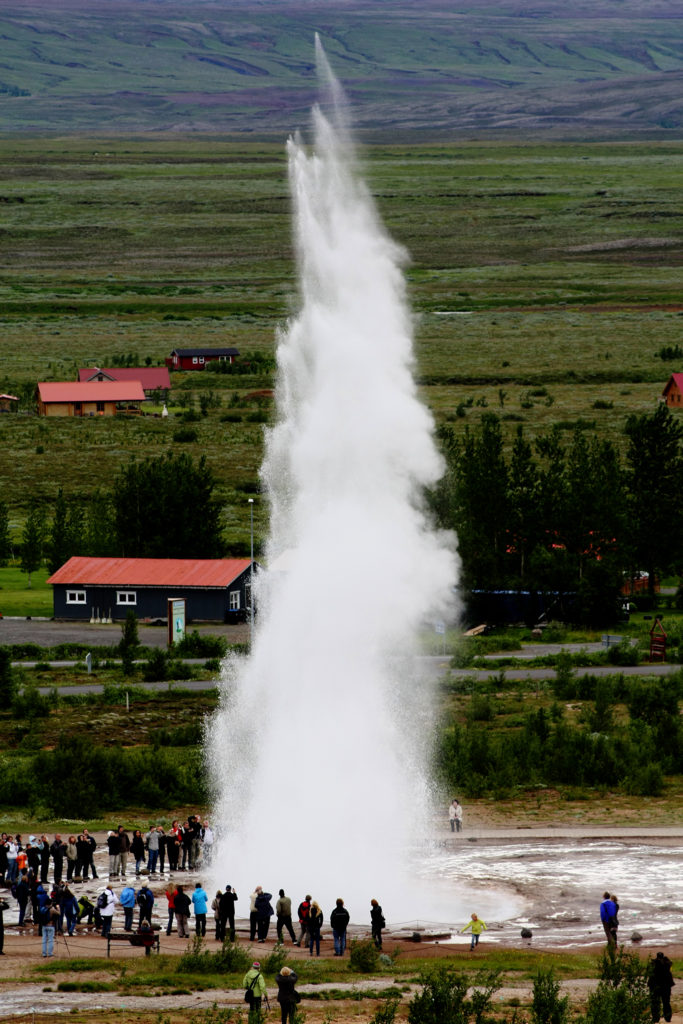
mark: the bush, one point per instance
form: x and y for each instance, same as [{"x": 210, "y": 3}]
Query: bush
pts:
[
  {"x": 363, "y": 956},
  {"x": 8, "y": 686},
  {"x": 196, "y": 645},
  {"x": 443, "y": 999},
  {"x": 230, "y": 958},
  {"x": 546, "y": 1006},
  {"x": 275, "y": 961},
  {"x": 622, "y": 996}
]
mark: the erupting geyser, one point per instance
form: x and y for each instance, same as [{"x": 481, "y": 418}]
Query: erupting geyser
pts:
[{"x": 318, "y": 752}]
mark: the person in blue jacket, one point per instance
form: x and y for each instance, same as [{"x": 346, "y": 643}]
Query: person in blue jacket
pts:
[
  {"x": 145, "y": 903},
  {"x": 200, "y": 902},
  {"x": 127, "y": 899},
  {"x": 608, "y": 916}
]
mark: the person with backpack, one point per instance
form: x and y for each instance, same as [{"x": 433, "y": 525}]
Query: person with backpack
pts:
[
  {"x": 106, "y": 904},
  {"x": 377, "y": 922},
  {"x": 303, "y": 911},
  {"x": 287, "y": 995},
  {"x": 128, "y": 900},
  {"x": 264, "y": 912},
  {"x": 145, "y": 903},
  {"x": 254, "y": 986}
]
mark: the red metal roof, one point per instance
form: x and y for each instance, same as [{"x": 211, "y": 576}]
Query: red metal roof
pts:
[
  {"x": 150, "y": 572},
  {"x": 97, "y": 391},
  {"x": 675, "y": 378},
  {"x": 151, "y": 377}
]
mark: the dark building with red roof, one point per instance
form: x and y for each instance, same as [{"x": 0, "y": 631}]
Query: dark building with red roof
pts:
[
  {"x": 152, "y": 378},
  {"x": 214, "y": 589},
  {"x": 197, "y": 358}
]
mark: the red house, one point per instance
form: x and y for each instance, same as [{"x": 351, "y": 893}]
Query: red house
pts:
[
  {"x": 673, "y": 392},
  {"x": 152, "y": 378},
  {"x": 197, "y": 358}
]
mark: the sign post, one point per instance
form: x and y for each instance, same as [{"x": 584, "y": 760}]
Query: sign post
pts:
[{"x": 176, "y": 620}]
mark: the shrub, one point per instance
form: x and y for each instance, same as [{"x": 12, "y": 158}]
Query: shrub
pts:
[
  {"x": 546, "y": 1006},
  {"x": 275, "y": 960},
  {"x": 196, "y": 645},
  {"x": 363, "y": 956},
  {"x": 443, "y": 999},
  {"x": 185, "y": 435}
]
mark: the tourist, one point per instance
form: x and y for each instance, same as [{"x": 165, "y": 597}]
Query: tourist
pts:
[
  {"x": 182, "y": 912},
  {"x": 163, "y": 848},
  {"x": 170, "y": 899},
  {"x": 124, "y": 850},
  {"x": 477, "y": 926},
  {"x": 12, "y": 850},
  {"x": 303, "y": 912},
  {"x": 253, "y": 915},
  {"x": 90, "y": 846},
  {"x": 33, "y": 856},
  {"x": 283, "y": 909},
  {"x": 200, "y": 902},
  {"x": 207, "y": 843},
  {"x": 254, "y": 983},
  {"x": 127, "y": 899},
  {"x": 71, "y": 858},
  {"x": 152, "y": 844},
  {"x": 227, "y": 916},
  {"x": 315, "y": 921},
  {"x": 48, "y": 921},
  {"x": 660, "y": 982},
  {"x": 3, "y": 856},
  {"x": 216, "y": 907},
  {"x": 58, "y": 853},
  {"x": 264, "y": 912},
  {"x": 608, "y": 916},
  {"x": 137, "y": 848},
  {"x": 4, "y": 905},
  {"x": 106, "y": 904},
  {"x": 145, "y": 903},
  {"x": 44, "y": 847},
  {"x": 68, "y": 908},
  {"x": 287, "y": 996},
  {"x": 173, "y": 846},
  {"x": 21, "y": 894},
  {"x": 339, "y": 922},
  {"x": 377, "y": 922},
  {"x": 114, "y": 848},
  {"x": 86, "y": 909}
]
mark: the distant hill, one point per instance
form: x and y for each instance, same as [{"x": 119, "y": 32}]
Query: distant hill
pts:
[{"x": 478, "y": 68}]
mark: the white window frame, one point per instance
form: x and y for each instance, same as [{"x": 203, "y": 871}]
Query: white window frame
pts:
[
  {"x": 127, "y": 597},
  {"x": 194, "y": 360},
  {"x": 201, "y": 359},
  {"x": 75, "y": 597},
  {"x": 235, "y": 601}
]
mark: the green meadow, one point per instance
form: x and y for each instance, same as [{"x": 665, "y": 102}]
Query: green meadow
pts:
[{"x": 544, "y": 279}]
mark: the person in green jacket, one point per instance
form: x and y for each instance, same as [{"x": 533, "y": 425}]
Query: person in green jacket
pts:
[
  {"x": 255, "y": 983},
  {"x": 478, "y": 926}
]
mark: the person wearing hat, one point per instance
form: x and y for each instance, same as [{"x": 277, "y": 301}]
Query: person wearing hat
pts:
[
  {"x": 254, "y": 986},
  {"x": 287, "y": 996}
]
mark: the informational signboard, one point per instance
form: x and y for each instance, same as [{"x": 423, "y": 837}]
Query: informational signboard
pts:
[{"x": 176, "y": 620}]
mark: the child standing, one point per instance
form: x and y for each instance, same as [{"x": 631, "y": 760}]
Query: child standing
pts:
[{"x": 478, "y": 926}]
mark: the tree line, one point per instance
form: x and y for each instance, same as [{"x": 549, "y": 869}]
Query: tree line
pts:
[
  {"x": 564, "y": 516},
  {"x": 156, "y": 508}
]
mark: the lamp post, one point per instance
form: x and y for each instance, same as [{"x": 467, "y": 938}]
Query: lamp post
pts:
[{"x": 251, "y": 576}]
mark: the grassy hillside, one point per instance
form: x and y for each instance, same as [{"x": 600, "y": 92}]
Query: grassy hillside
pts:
[
  {"x": 603, "y": 68},
  {"x": 545, "y": 279}
]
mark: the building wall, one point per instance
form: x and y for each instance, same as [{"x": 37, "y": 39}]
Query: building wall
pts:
[
  {"x": 67, "y": 409},
  {"x": 212, "y": 604}
]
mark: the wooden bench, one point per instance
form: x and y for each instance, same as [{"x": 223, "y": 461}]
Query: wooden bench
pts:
[{"x": 148, "y": 940}]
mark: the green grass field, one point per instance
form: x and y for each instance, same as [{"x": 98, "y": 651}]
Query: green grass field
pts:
[
  {"x": 544, "y": 279},
  {"x": 17, "y": 598}
]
